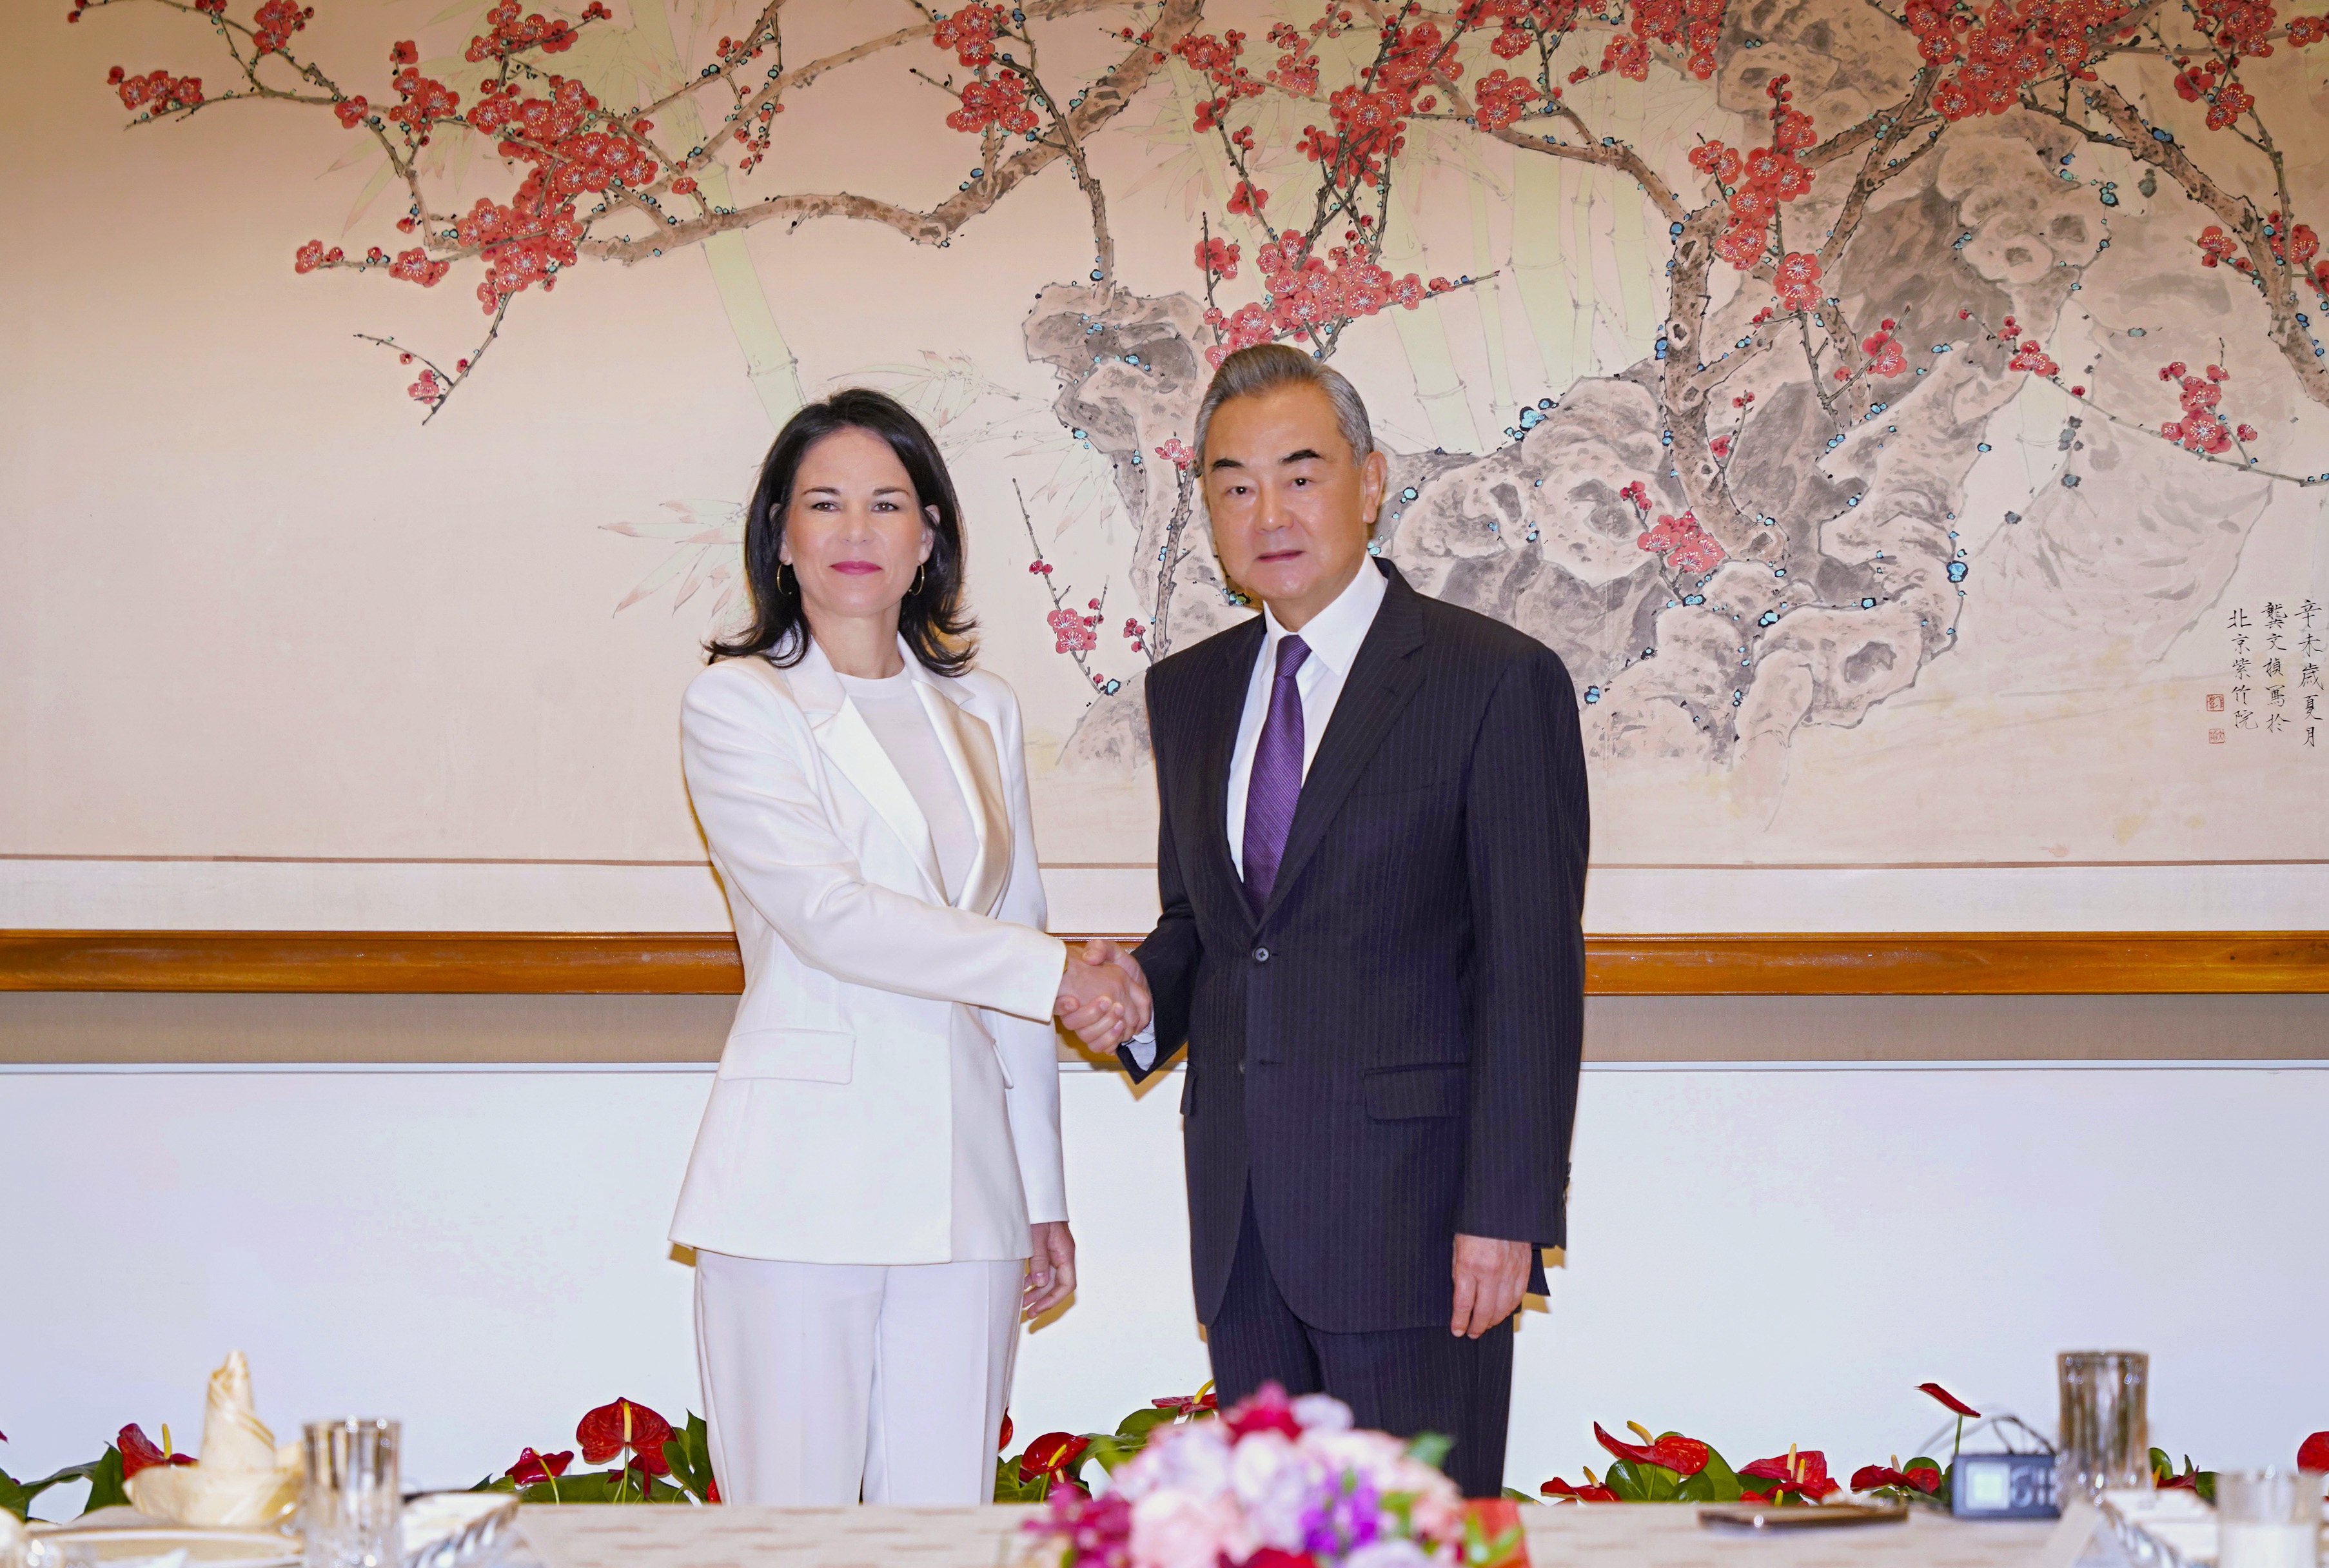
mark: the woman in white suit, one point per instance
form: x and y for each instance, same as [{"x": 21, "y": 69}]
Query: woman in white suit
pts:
[{"x": 875, "y": 1197}]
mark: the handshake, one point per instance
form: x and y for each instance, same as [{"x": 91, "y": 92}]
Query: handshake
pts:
[{"x": 1103, "y": 997}]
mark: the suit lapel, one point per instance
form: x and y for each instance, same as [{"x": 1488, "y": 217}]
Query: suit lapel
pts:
[
  {"x": 969, "y": 747},
  {"x": 1381, "y": 679},
  {"x": 1217, "y": 729},
  {"x": 850, "y": 745}
]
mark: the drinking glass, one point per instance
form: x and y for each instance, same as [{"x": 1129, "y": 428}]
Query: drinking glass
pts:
[
  {"x": 2106, "y": 1439},
  {"x": 2267, "y": 1519},
  {"x": 353, "y": 1499}
]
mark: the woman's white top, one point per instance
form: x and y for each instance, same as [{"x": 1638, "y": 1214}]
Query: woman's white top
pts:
[
  {"x": 890, "y": 1091},
  {"x": 893, "y": 711}
]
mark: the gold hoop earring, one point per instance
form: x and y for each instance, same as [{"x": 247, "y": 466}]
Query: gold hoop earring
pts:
[
  {"x": 920, "y": 573},
  {"x": 780, "y": 577}
]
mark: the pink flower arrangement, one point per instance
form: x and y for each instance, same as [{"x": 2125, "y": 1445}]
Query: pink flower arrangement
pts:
[{"x": 1274, "y": 1483}]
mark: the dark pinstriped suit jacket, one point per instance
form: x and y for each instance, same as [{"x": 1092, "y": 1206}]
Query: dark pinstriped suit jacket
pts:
[{"x": 1391, "y": 1053}]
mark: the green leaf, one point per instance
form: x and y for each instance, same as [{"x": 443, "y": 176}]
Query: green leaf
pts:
[
  {"x": 1514, "y": 1495},
  {"x": 1141, "y": 1423},
  {"x": 1624, "y": 1478},
  {"x": 585, "y": 1487},
  {"x": 688, "y": 1452},
  {"x": 1644, "y": 1483},
  {"x": 1718, "y": 1482},
  {"x": 1714, "y": 1483},
  {"x": 1430, "y": 1448},
  {"x": 1010, "y": 1488},
  {"x": 1111, "y": 1450},
  {"x": 2204, "y": 1483},
  {"x": 1106, "y": 1449},
  {"x": 104, "y": 1482},
  {"x": 16, "y": 1497}
]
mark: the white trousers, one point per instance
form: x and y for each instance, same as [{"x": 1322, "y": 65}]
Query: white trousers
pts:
[{"x": 827, "y": 1382}]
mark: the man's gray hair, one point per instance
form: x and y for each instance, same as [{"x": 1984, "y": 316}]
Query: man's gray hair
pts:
[{"x": 1266, "y": 367}]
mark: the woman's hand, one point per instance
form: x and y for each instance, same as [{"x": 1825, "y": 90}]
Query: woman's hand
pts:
[{"x": 1051, "y": 1272}]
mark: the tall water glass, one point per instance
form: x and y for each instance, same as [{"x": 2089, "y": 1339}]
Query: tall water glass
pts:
[
  {"x": 2267, "y": 1519},
  {"x": 2105, "y": 1439},
  {"x": 354, "y": 1495}
]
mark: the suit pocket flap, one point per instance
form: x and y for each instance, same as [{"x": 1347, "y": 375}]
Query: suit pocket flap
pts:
[
  {"x": 820, "y": 1055},
  {"x": 1394, "y": 1093}
]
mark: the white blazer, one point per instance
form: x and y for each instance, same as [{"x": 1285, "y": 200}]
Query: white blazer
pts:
[{"x": 889, "y": 1091}]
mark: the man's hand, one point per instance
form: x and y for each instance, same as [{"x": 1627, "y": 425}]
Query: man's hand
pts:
[
  {"x": 1100, "y": 949},
  {"x": 1051, "y": 1272},
  {"x": 1491, "y": 1276},
  {"x": 1103, "y": 997}
]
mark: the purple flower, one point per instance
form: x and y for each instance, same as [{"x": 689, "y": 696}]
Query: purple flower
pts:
[{"x": 1349, "y": 1514}]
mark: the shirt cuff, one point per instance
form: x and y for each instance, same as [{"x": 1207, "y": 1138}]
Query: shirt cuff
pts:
[{"x": 1142, "y": 1048}]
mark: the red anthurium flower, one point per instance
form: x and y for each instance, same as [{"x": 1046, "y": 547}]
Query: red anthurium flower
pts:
[
  {"x": 1266, "y": 1409},
  {"x": 1054, "y": 1454},
  {"x": 1683, "y": 1456},
  {"x": 1189, "y": 1403},
  {"x": 138, "y": 1452},
  {"x": 2313, "y": 1454},
  {"x": 533, "y": 1469},
  {"x": 1916, "y": 1478},
  {"x": 1002, "y": 1439},
  {"x": 1948, "y": 1399},
  {"x": 1272, "y": 1557},
  {"x": 1557, "y": 1487},
  {"x": 610, "y": 1429},
  {"x": 1803, "y": 1472}
]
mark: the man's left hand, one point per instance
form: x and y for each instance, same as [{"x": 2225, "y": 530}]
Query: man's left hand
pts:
[{"x": 1490, "y": 1276}]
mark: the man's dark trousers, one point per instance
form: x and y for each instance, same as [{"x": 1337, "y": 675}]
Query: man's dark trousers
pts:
[{"x": 1400, "y": 1380}]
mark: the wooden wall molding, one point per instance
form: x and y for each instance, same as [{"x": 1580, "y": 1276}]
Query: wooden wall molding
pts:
[{"x": 705, "y": 963}]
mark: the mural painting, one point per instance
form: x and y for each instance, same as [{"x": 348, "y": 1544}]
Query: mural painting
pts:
[{"x": 1909, "y": 421}]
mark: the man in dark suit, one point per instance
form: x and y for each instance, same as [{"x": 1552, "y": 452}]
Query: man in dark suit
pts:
[{"x": 1371, "y": 861}]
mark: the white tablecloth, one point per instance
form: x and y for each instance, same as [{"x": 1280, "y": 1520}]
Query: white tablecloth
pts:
[{"x": 1597, "y": 1536}]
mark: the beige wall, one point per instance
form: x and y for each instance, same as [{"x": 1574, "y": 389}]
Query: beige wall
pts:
[{"x": 101, "y": 1027}]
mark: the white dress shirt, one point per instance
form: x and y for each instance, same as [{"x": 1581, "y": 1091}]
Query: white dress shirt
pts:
[{"x": 1332, "y": 636}]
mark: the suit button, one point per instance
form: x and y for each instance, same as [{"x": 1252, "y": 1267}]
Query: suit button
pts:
[{"x": 1261, "y": 955}]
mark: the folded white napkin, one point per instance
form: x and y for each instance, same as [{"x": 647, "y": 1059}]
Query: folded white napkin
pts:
[{"x": 241, "y": 1479}]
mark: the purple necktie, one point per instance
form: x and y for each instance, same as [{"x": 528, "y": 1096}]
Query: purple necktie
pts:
[{"x": 1277, "y": 781}]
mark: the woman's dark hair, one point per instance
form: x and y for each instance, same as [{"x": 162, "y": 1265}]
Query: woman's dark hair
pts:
[{"x": 932, "y": 620}]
